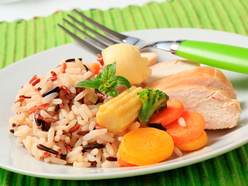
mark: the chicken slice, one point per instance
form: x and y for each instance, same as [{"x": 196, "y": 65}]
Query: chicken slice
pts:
[
  {"x": 216, "y": 106},
  {"x": 168, "y": 68},
  {"x": 207, "y": 76}
]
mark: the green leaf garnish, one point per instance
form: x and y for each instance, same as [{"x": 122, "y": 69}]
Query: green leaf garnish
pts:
[{"x": 106, "y": 81}]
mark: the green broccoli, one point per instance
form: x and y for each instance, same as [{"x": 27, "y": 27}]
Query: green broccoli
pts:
[{"x": 153, "y": 100}]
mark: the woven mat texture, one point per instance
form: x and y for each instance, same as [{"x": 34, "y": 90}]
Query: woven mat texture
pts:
[{"x": 22, "y": 38}]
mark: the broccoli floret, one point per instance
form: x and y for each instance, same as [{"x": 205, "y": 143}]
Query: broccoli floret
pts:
[{"x": 153, "y": 100}]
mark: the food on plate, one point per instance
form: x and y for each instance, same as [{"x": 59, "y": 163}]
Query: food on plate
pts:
[
  {"x": 106, "y": 81},
  {"x": 99, "y": 115},
  {"x": 168, "y": 68},
  {"x": 207, "y": 76},
  {"x": 129, "y": 63},
  {"x": 194, "y": 144},
  {"x": 145, "y": 146},
  {"x": 172, "y": 112},
  {"x": 217, "y": 107},
  {"x": 189, "y": 126},
  {"x": 117, "y": 114},
  {"x": 151, "y": 56},
  {"x": 152, "y": 101}
]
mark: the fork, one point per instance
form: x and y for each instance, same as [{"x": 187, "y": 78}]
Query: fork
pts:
[{"x": 223, "y": 56}]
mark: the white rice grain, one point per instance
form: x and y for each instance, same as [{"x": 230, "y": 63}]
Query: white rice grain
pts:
[
  {"x": 57, "y": 161},
  {"x": 50, "y": 137},
  {"x": 15, "y": 106},
  {"x": 75, "y": 109},
  {"x": 110, "y": 164},
  {"x": 83, "y": 113},
  {"x": 89, "y": 156},
  {"x": 87, "y": 75},
  {"x": 79, "y": 142},
  {"x": 81, "y": 95},
  {"x": 49, "y": 97},
  {"x": 73, "y": 70},
  {"x": 73, "y": 90},
  {"x": 46, "y": 87},
  {"x": 177, "y": 151},
  {"x": 107, "y": 138},
  {"x": 110, "y": 149},
  {"x": 68, "y": 79},
  {"x": 71, "y": 124},
  {"x": 24, "y": 89},
  {"x": 80, "y": 64},
  {"x": 56, "y": 101},
  {"x": 95, "y": 133},
  {"x": 42, "y": 134},
  {"x": 92, "y": 125},
  {"x": 71, "y": 115},
  {"x": 44, "y": 114},
  {"x": 181, "y": 122},
  {"x": 22, "y": 131},
  {"x": 94, "y": 151}
]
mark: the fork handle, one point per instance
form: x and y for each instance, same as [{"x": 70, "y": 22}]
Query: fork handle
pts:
[{"x": 223, "y": 56}]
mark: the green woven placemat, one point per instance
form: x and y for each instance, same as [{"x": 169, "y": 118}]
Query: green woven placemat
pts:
[{"x": 22, "y": 38}]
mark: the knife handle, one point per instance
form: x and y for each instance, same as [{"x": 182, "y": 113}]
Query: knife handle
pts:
[{"x": 223, "y": 56}]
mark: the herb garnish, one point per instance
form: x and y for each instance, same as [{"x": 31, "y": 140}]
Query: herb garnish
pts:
[{"x": 106, "y": 81}]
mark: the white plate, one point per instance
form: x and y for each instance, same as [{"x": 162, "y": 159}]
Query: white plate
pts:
[{"x": 17, "y": 159}]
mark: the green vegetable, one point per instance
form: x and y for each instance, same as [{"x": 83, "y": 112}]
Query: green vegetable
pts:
[
  {"x": 106, "y": 81},
  {"x": 153, "y": 100}
]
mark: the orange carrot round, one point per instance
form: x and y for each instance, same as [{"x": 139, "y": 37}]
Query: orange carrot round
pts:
[
  {"x": 195, "y": 125},
  {"x": 96, "y": 67},
  {"x": 173, "y": 111},
  {"x": 144, "y": 146},
  {"x": 194, "y": 144},
  {"x": 123, "y": 163}
]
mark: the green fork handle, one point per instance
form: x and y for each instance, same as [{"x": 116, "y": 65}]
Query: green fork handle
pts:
[{"x": 223, "y": 56}]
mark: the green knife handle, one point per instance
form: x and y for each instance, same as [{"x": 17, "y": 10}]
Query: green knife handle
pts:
[{"x": 227, "y": 57}]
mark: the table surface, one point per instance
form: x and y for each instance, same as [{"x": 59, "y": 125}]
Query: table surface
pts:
[
  {"x": 12, "y": 10},
  {"x": 228, "y": 169}
]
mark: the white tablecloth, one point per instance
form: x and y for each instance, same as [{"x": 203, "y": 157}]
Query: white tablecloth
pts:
[{"x": 12, "y": 10}]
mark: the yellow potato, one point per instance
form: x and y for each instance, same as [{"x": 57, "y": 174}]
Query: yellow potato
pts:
[{"x": 129, "y": 62}]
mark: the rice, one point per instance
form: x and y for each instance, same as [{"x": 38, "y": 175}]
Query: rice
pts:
[
  {"x": 181, "y": 121},
  {"x": 63, "y": 120}
]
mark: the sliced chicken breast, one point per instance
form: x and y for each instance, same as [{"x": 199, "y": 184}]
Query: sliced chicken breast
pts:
[
  {"x": 216, "y": 106},
  {"x": 207, "y": 76},
  {"x": 168, "y": 68},
  {"x": 152, "y": 57}
]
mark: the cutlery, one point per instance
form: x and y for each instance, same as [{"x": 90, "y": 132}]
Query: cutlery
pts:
[{"x": 223, "y": 56}]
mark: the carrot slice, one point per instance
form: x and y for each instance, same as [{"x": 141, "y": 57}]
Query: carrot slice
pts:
[
  {"x": 123, "y": 163},
  {"x": 145, "y": 146},
  {"x": 195, "y": 125},
  {"x": 96, "y": 67},
  {"x": 194, "y": 144},
  {"x": 173, "y": 111}
]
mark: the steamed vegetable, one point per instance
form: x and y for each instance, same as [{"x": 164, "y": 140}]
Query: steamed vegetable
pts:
[
  {"x": 117, "y": 114},
  {"x": 145, "y": 146},
  {"x": 173, "y": 111},
  {"x": 106, "y": 81},
  {"x": 129, "y": 63},
  {"x": 152, "y": 101},
  {"x": 195, "y": 125},
  {"x": 194, "y": 144}
]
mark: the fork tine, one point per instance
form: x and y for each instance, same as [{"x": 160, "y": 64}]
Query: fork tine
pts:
[
  {"x": 97, "y": 42},
  {"x": 106, "y": 39},
  {"x": 105, "y": 29},
  {"x": 81, "y": 41}
]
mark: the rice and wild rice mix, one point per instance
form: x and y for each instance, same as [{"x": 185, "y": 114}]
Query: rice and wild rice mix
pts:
[{"x": 56, "y": 121}]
